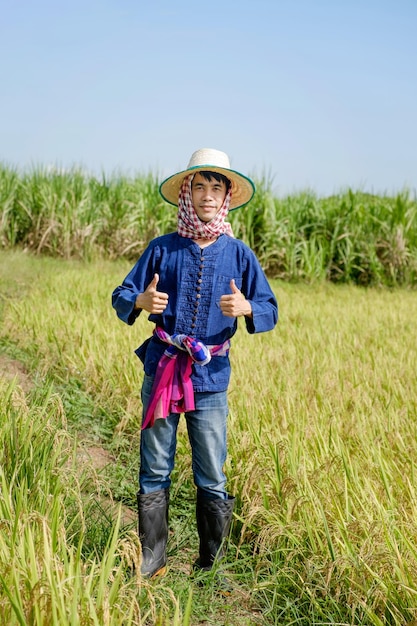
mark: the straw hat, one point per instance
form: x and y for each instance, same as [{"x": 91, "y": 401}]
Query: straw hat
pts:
[{"x": 209, "y": 160}]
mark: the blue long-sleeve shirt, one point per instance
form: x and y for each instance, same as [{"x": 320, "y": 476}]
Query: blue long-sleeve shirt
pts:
[{"x": 195, "y": 278}]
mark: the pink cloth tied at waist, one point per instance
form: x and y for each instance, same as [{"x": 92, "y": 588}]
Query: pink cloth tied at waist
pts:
[{"x": 172, "y": 389}]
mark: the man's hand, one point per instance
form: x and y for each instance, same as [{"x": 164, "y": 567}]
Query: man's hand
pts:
[
  {"x": 235, "y": 304},
  {"x": 151, "y": 299}
]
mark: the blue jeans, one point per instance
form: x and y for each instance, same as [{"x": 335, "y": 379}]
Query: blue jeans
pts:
[{"x": 207, "y": 432}]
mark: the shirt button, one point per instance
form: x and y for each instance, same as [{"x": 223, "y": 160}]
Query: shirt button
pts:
[
  {"x": 193, "y": 325},
  {"x": 198, "y": 288},
  {"x": 198, "y": 295},
  {"x": 200, "y": 280}
]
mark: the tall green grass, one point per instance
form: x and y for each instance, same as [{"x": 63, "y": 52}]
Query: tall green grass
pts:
[
  {"x": 352, "y": 237},
  {"x": 322, "y": 460},
  {"x": 67, "y": 214}
]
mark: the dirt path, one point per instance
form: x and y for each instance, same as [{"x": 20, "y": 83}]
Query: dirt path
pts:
[
  {"x": 92, "y": 455},
  {"x": 11, "y": 369}
]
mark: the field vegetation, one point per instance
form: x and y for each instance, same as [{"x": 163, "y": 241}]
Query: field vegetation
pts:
[
  {"x": 322, "y": 441},
  {"x": 350, "y": 237}
]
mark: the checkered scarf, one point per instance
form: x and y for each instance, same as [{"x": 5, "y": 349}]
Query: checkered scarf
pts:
[{"x": 189, "y": 224}]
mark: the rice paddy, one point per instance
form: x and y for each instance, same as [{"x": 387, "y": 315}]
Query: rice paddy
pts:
[{"x": 322, "y": 441}]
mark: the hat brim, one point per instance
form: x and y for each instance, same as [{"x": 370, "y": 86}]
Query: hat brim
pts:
[{"x": 243, "y": 188}]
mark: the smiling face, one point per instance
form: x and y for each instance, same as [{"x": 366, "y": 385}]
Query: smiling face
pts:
[{"x": 208, "y": 196}]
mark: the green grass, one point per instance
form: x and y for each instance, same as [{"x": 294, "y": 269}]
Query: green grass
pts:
[
  {"x": 351, "y": 237},
  {"x": 322, "y": 459}
]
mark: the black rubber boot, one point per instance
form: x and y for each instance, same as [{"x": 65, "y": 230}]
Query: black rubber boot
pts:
[
  {"x": 153, "y": 531},
  {"x": 213, "y": 524}
]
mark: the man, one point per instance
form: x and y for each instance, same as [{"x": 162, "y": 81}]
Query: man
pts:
[{"x": 194, "y": 284}]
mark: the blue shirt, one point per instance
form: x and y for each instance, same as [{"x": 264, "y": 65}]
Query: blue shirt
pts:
[{"x": 195, "y": 278}]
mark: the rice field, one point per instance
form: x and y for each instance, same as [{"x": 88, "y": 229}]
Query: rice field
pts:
[{"x": 322, "y": 453}]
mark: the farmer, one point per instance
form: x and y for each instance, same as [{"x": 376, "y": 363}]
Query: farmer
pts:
[{"x": 194, "y": 283}]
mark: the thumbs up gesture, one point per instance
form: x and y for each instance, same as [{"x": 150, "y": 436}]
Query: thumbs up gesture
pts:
[
  {"x": 151, "y": 299},
  {"x": 235, "y": 304}
]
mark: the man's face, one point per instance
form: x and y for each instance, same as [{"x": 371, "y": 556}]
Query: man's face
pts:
[{"x": 207, "y": 196}]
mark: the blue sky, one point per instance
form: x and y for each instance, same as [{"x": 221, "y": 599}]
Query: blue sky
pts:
[{"x": 314, "y": 94}]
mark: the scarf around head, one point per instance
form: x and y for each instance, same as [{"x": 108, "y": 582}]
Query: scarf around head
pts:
[{"x": 189, "y": 224}]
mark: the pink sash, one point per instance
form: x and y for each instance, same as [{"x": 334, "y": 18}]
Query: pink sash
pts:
[{"x": 172, "y": 389}]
